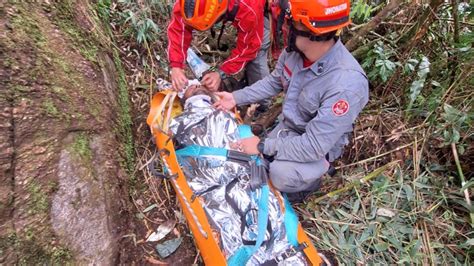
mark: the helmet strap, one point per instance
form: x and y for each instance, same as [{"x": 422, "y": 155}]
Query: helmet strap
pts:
[
  {"x": 295, "y": 33},
  {"x": 292, "y": 40}
]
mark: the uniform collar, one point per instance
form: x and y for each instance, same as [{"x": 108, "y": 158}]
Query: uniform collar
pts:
[{"x": 327, "y": 60}]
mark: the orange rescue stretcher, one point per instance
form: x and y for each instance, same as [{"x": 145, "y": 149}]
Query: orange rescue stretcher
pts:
[{"x": 164, "y": 106}]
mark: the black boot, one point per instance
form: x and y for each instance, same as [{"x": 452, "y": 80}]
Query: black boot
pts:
[{"x": 300, "y": 197}]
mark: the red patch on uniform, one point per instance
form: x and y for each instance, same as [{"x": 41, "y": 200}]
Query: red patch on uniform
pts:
[
  {"x": 288, "y": 71},
  {"x": 341, "y": 107}
]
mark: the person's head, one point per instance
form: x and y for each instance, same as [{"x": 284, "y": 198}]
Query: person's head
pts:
[
  {"x": 316, "y": 21},
  {"x": 202, "y": 14},
  {"x": 197, "y": 90}
]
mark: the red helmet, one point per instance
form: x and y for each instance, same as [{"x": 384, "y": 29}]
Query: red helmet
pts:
[
  {"x": 321, "y": 16},
  {"x": 202, "y": 14}
]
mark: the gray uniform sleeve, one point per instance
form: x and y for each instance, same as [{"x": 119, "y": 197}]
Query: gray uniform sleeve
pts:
[
  {"x": 335, "y": 117},
  {"x": 263, "y": 89}
]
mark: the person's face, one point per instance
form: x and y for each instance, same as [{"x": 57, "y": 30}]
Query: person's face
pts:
[
  {"x": 190, "y": 91},
  {"x": 301, "y": 42},
  {"x": 195, "y": 90}
]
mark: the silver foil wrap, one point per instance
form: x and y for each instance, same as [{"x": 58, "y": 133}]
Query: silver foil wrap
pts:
[{"x": 217, "y": 182}]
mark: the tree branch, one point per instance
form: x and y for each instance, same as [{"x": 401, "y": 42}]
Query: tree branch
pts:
[{"x": 359, "y": 36}]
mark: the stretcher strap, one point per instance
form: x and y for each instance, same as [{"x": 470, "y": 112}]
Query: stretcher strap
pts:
[
  {"x": 291, "y": 226},
  {"x": 245, "y": 131},
  {"x": 196, "y": 151},
  {"x": 291, "y": 223},
  {"x": 158, "y": 118},
  {"x": 243, "y": 215},
  {"x": 203, "y": 151},
  {"x": 243, "y": 254}
]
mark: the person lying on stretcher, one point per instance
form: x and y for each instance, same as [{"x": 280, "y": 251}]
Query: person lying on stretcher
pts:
[{"x": 231, "y": 185}]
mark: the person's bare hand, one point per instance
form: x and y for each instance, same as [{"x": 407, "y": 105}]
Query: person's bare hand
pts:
[
  {"x": 178, "y": 78},
  {"x": 247, "y": 145},
  {"x": 212, "y": 81},
  {"x": 226, "y": 101}
]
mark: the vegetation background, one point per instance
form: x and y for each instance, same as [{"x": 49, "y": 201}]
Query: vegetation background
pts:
[
  {"x": 403, "y": 189},
  {"x": 418, "y": 126}
]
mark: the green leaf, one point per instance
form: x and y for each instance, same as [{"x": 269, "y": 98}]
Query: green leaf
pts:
[
  {"x": 381, "y": 246},
  {"x": 408, "y": 191},
  {"x": 406, "y": 230},
  {"x": 455, "y": 136},
  {"x": 437, "y": 245},
  {"x": 366, "y": 234},
  {"x": 344, "y": 214},
  {"x": 424, "y": 68},
  {"x": 410, "y": 65},
  {"x": 149, "y": 208},
  {"x": 356, "y": 207},
  {"x": 168, "y": 247},
  {"x": 421, "y": 185},
  {"x": 435, "y": 83},
  {"x": 470, "y": 242},
  {"x": 418, "y": 85},
  {"x": 395, "y": 242},
  {"x": 415, "y": 247},
  {"x": 469, "y": 184}
]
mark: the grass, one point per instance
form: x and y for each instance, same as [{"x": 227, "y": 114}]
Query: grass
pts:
[
  {"x": 81, "y": 146},
  {"x": 50, "y": 108},
  {"x": 60, "y": 255},
  {"x": 62, "y": 94},
  {"x": 124, "y": 126},
  {"x": 39, "y": 202},
  {"x": 27, "y": 27},
  {"x": 398, "y": 218},
  {"x": 66, "y": 22},
  {"x": 32, "y": 252}
]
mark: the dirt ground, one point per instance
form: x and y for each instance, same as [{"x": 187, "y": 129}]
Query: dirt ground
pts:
[{"x": 63, "y": 178}]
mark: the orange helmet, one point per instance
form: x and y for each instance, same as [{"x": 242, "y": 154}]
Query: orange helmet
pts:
[
  {"x": 202, "y": 14},
  {"x": 321, "y": 16}
]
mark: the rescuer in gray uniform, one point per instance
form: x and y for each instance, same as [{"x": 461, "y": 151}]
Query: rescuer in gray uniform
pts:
[{"x": 325, "y": 90}]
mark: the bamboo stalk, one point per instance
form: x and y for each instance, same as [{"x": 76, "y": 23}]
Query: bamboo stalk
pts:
[
  {"x": 348, "y": 187},
  {"x": 463, "y": 181},
  {"x": 150, "y": 91},
  {"x": 428, "y": 242},
  {"x": 375, "y": 157},
  {"x": 332, "y": 222}
]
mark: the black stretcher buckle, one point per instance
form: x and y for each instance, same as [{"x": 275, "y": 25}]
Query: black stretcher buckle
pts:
[{"x": 238, "y": 156}]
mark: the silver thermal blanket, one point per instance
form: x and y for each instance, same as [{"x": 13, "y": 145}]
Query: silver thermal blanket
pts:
[{"x": 223, "y": 186}]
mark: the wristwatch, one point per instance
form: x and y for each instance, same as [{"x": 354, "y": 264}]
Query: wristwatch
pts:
[
  {"x": 222, "y": 74},
  {"x": 261, "y": 146}
]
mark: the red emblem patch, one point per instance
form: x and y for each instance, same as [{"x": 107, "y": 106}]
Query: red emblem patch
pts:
[{"x": 341, "y": 107}]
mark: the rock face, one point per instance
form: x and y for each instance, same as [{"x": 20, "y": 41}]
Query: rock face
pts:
[{"x": 63, "y": 193}]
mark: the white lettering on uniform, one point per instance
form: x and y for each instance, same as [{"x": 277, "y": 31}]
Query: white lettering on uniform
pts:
[{"x": 335, "y": 9}]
